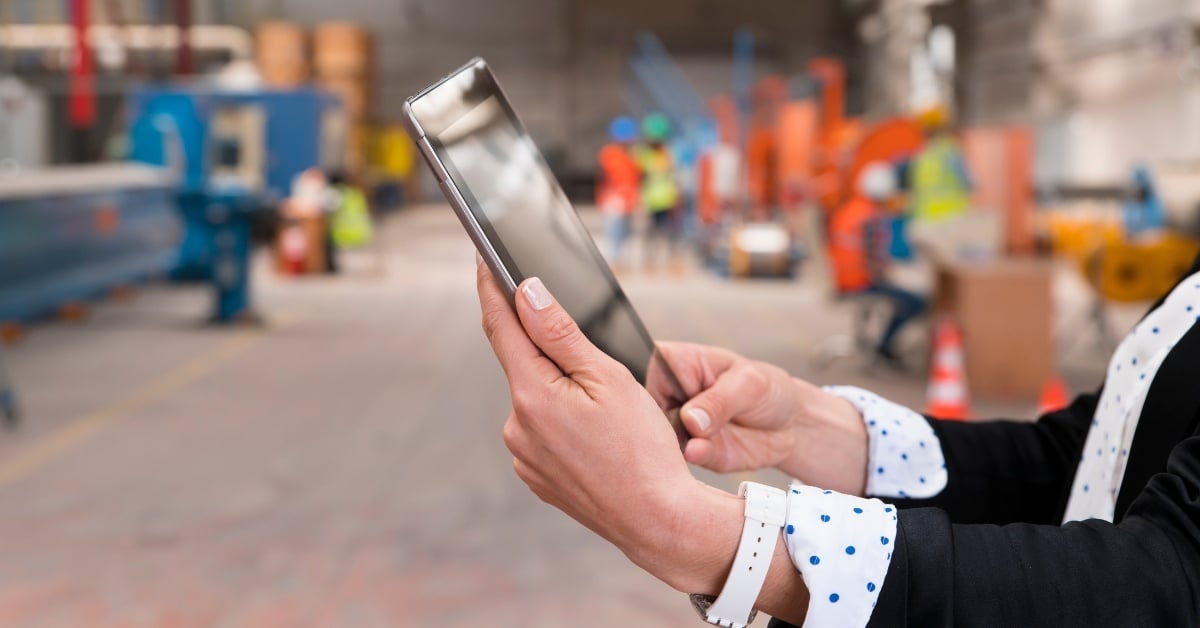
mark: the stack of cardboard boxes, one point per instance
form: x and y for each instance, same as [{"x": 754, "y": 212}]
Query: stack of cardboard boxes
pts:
[
  {"x": 281, "y": 49},
  {"x": 344, "y": 63}
]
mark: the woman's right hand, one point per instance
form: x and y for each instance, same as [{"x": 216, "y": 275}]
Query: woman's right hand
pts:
[{"x": 745, "y": 415}]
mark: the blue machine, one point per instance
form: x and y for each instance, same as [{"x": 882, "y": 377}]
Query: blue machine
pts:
[
  {"x": 74, "y": 233},
  {"x": 236, "y": 154}
]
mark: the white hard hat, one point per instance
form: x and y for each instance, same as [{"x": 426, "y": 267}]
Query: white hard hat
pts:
[{"x": 877, "y": 181}]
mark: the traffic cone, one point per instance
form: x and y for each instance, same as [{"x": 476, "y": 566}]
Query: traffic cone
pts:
[
  {"x": 947, "y": 396},
  {"x": 1054, "y": 396}
]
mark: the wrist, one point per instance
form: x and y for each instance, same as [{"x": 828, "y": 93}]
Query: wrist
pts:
[
  {"x": 707, "y": 545},
  {"x": 832, "y": 443},
  {"x": 694, "y": 551}
]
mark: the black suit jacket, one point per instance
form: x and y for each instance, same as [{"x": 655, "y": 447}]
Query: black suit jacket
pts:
[{"x": 989, "y": 550}]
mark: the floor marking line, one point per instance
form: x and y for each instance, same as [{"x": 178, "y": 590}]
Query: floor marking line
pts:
[{"x": 80, "y": 430}]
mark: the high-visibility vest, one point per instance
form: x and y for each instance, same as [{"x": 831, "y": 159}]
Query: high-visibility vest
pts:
[
  {"x": 352, "y": 220},
  {"x": 938, "y": 189},
  {"x": 660, "y": 190}
]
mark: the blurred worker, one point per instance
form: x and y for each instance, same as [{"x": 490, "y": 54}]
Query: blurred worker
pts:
[
  {"x": 1143, "y": 211},
  {"x": 859, "y": 245},
  {"x": 618, "y": 185},
  {"x": 350, "y": 223},
  {"x": 938, "y": 177},
  {"x": 660, "y": 189},
  {"x": 306, "y": 214},
  {"x": 720, "y": 177}
]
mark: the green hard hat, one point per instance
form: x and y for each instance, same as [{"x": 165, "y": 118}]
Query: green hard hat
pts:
[{"x": 656, "y": 126}]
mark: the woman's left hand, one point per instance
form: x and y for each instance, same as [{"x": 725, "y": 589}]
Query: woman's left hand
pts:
[{"x": 588, "y": 439}]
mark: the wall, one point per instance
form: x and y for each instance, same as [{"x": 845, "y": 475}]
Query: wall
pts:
[
  {"x": 563, "y": 62},
  {"x": 1109, "y": 83}
]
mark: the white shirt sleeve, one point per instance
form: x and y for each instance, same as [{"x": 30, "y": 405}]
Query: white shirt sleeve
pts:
[
  {"x": 905, "y": 457},
  {"x": 842, "y": 546}
]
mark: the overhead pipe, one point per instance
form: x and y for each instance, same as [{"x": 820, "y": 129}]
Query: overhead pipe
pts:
[{"x": 236, "y": 41}]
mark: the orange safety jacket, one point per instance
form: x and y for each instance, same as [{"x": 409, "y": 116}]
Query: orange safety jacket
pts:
[
  {"x": 849, "y": 250},
  {"x": 621, "y": 180}
]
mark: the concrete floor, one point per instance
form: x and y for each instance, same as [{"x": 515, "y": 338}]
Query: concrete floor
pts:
[{"x": 341, "y": 466}]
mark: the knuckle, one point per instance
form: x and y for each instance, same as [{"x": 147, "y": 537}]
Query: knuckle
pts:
[
  {"x": 492, "y": 322},
  {"x": 753, "y": 378},
  {"x": 561, "y": 329},
  {"x": 526, "y": 402},
  {"x": 512, "y": 435}
]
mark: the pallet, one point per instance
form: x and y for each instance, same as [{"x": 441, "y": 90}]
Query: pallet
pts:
[
  {"x": 73, "y": 312},
  {"x": 125, "y": 293},
  {"x": 11, "y": 333}
]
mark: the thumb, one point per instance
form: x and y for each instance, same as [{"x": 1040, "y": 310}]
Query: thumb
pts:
[
  {"x": 736, "y": 392},
  {"x": 553, "y": 330}
]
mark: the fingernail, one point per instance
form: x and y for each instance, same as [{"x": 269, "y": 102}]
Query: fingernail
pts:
[
  {"x": 478, "y": 258},
  {"x": 700, "y": 418},
  {"x": 539, "y": 297}
]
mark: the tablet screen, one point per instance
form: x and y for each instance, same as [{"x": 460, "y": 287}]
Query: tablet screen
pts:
[{"x": 527, "y": 218}]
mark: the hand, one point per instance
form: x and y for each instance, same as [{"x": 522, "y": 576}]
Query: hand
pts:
[
  {"x": 740, "y": 412},
  {"x": 588, "y": 439},
  {"x": 745, "y": 415}
]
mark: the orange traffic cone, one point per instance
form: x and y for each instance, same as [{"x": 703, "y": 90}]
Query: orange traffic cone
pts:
[
  {"x": 947, "y": 396},
  {"x": 1054, "y": 396}
]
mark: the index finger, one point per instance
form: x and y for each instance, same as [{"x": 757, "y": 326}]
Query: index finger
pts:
[{"x": 521, "y": 359}]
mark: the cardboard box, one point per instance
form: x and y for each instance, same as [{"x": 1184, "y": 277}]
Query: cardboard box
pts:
[
  {"x": 1006, "y": 313},
  {"x": 343, "y": 50}
]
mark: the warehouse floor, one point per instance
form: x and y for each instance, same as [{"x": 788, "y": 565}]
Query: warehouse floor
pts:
[{"x": 341, "y": 466}]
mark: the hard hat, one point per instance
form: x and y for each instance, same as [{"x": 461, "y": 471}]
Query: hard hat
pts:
[
  {"x": 656, "y": 127},
  {"x": 877, "y": 181},
  {"x": 623, "y": 129},
  {"x": 933, "y": 118}
]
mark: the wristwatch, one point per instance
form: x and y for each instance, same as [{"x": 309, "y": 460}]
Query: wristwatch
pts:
[{"x": 766, "y": 508}]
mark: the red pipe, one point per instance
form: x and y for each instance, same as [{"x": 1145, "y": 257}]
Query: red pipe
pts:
[
  {"x": 183, "y": 19},
  {"x": 82, "y": 98}
]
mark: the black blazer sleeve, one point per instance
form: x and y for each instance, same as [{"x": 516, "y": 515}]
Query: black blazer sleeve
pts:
[
  {"x": 1008, "y": 471},
  {"x": 1144, "y": 571}
]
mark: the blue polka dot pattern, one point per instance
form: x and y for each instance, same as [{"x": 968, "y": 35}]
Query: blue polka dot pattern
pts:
[
  {"x": 1098, "y": 477},
  {"x": 900, "y": 453},
  {"x": 839, "y": 558},
  {"x": 791, "y": 529}
]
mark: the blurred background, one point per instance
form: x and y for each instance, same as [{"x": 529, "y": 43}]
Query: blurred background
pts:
[{"x": 242, "y": 380}]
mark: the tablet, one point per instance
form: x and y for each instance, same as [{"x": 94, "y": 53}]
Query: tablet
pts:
[{"x": 498, "y": 183}]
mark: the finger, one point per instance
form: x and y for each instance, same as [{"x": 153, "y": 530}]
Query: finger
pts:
[
  {"x": 734, "y": 393},
  {"x": 553, "y": 330},
  {"x": 521, "y": 359},
  {"x": 704, "y": 453},
  {"x": 696, "y": 366}
]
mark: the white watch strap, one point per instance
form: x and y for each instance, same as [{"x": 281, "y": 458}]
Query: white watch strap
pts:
[{"x": 766, "y": 509}]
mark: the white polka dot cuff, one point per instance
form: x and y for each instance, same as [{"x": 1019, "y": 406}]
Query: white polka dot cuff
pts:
[
  {"x": 905, "y": 457},
  {"x": 842, "y": 546}
]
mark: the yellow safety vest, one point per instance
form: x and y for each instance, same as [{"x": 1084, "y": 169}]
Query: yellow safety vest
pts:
[
  {"x": 938, "y": 189},
  {"x": 352, "y": 220},
  {"x": 660, "y": 191}
]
